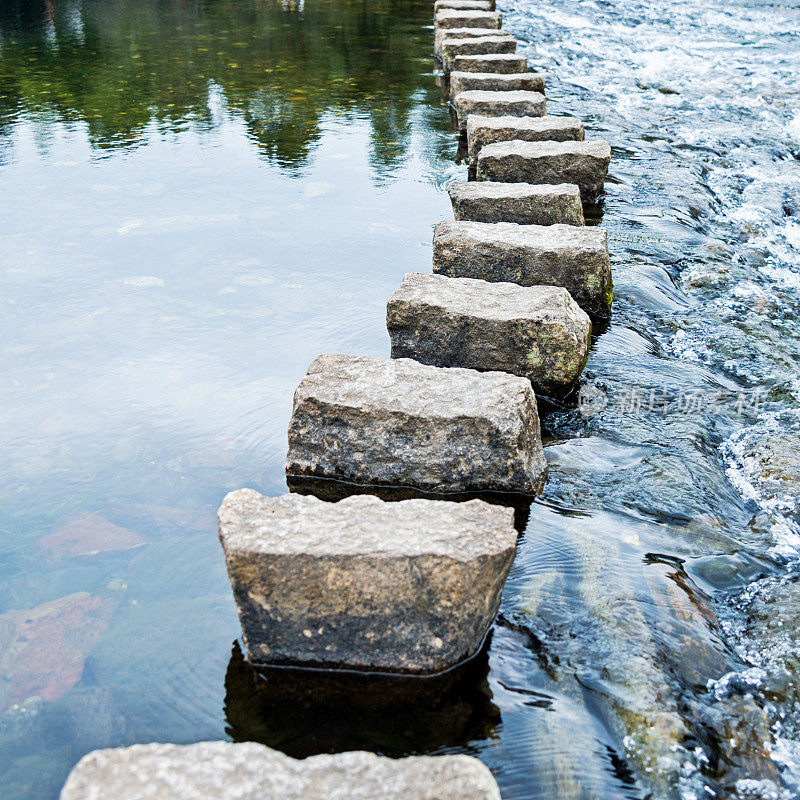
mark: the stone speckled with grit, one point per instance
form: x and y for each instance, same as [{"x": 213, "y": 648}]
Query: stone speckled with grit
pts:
[
  {"x": 462, "y": 33},
  {"x": 502, "y": 63},
  {"x": 461, "y": 5},
  {"x": 468, "y": 18},
  {"x": 523, "y": 203},
  {"x": 409, "y": 586},
  {"x": 399, "y": 423},
  {"x": 496, "y": 82},
  {"x": 483, "y": 130},
  {"x": 498, "y": 104},
  {"x": 479, "y": 45},
  {"x": 538, "y": 332},
  {"x": 249, "y": 771},
  {"x": 554, "y": 255},
  {"x": 584, "y": 163}
]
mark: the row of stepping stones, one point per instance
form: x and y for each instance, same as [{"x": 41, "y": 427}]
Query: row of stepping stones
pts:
[{"x": 404, "y": 572}]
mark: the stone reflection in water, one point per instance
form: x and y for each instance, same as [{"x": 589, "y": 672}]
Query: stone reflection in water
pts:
[{"x": 305, "y": 712}]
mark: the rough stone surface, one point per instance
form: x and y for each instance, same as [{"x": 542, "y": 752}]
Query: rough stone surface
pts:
[
  {"x": 498, "y": 104},
  {"x": 494, "y": 82},
  {"x": 538, "y": 332},
  {"x": 409, "y": 586},
  {"x": 584, "y": 163},
  {"x": 468, "y": 18},
  {"x": 530, "y": 255},
  {"x": 462, "y": 33},
  {"x": 461, "y": 5},
  {"x": 399, "y": 423},
  {"x": 523, "y": 203},
  {"x": 483, "y": 130},
  {"x": 478, "y": 45},
  {"x": 502, "y": 63},
  {"x": 249, "y": 771}
]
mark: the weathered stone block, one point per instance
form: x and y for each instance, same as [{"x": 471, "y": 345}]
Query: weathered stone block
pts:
[
  {"x": 398, "y": 423},
  {"x": 530, "y": 255},
  {"x": 462, "y": 5},
  {"x": 584, "y": 163},
  {"x": 250, "y": 771},
  {"x": 538, "y": 332},
  {"x": 498, "y": 104},
  {"x": 468, "y": 18},
  {"x": 523, "y": 203},
  {"x": 483, "y": 130},
  {"x": 462, "y": 33},
  {"x": 479, "y": 44},
  {"x": 490, "y": 62},
  {"x": 494, "y": 82},
  {"x": 411, "y": 586}
]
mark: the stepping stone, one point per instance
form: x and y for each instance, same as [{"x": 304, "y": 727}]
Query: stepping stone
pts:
[
  {"x": 523, "y": 203},
  {"x": 477, "y": 45},
  {"x": 584, "y": 163},
  {"x": 530, "y": 255},
  {"x": 483, "y": 130},
  {"x": 250, "y": 771},
  {"x": 462, "y": 33},
  {"x": 498, "y": 104},
  {"x": 468, "y": 18},
  {"x": 494, "y": 82},
  {"x": 462, "y": 5},
  {"x": 538, "y": 332},
  {"x": 410, "y": 586},
  {"x": 490, "y": 62},
  {"x": 397, "y": 423}
]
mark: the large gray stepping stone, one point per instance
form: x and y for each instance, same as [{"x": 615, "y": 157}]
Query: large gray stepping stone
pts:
[
  {"x": 483, "y": 130},
  {"x": 468, "y": 18},
  {"x": 398, "y": 423},
  {"x": 494, "y": 82},
  {"x": 462, "y": 5},
  {"x": 498, "y": 104},
  {"x": 502, "y": 63},
  {"x": 530, "y": 255},
  {"x": 408, "y": 586},
  {"x": 538, "y": 332},
  {"x": 523, "y": 203},
  {"x": 479, "y": 45},
  {"x": 584, "y": 163},
  {"x": 249, "y": 771},
  {"x": 463, "y": 33}
]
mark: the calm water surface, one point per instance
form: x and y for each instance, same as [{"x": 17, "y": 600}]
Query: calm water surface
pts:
[{"x": 198, "y": 198}]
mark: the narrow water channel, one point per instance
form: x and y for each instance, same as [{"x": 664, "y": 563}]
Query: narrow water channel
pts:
[{"x": 198, "y": 198}]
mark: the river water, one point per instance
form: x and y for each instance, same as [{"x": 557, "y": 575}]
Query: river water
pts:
[{"x": 198, "y": 198}]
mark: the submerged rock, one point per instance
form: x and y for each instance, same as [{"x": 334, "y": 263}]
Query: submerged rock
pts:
[
  {"x": 498, "y": 104},
  {"x": 249, "y": 771},
  {"x": 584, "y": 163},
  {"x": 490, "y": 62},
  {"x": 495, "y": 82},
  {"x": 483, "y": 130},
  {"x": 538, "y": 332},
  {"x": 478, "y": 45},
  {"x": 411, "y": 586},
  {"x": 87, "y": 535},
  {"x": 468, "y": 18},
  {"x": 555, "y": 255},
  {"x": 400, "y": 423},
  {"x": 522, "y": 203}
]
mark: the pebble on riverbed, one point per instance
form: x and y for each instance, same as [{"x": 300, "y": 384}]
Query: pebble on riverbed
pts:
[
  {"x": 398, "y": 423},
  {"x": 502, "y": 63},
  {"x": 409, "y": 586},
  {"x": 523, "y": 203},
  {"x": 584, "y": 163},
  {"x": 530, "y": 255},
  {"x": 538, "y": 332},
  {"x": 250, "y": 771},
  {"x": 495, "y": 82},
  {"x": 483, "y": 130}
]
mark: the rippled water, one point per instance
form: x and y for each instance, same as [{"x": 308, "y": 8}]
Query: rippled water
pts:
[{"x": 197, "y": 199}]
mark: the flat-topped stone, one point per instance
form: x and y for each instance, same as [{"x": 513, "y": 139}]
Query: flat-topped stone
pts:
[
  {"x": 530, "y": 255},
  {"x": 502, "y": 63},
  {"x": 477, "y": 45},
  {"x": 250, "y": 771},
  {"x": 495, "y": 82},
  {"x": 523, "y": 203},
  {"x": 408, "y": 586},
  {"x": 498, "y": 104},
  {"x": 468, "y": 18},
  {"x": 462, "y": 33},
  {"x": 398, "y": 423},
  {"x": 584, "y": 163},
  {"x": 538, "y": 332},
  {"x": 483, "y": 130},
  {"x": 462, "y": 5}
]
